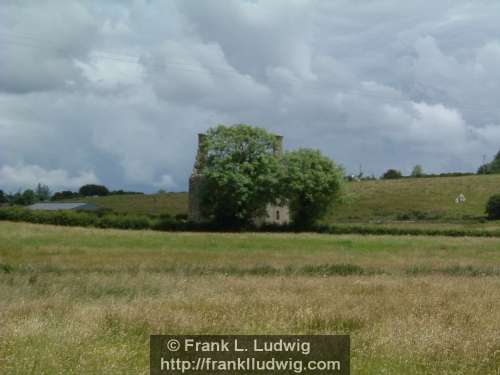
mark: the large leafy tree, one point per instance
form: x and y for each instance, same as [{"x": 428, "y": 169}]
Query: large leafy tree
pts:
[
  {"x": 312, "y": 183},
  {"x": 417, "y": 171},
  {"x": 240, "y": 174},
  {"x": 3, "y": 198}
]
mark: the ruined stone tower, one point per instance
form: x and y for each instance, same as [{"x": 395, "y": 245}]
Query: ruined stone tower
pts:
[
  {"x": 274, "y": 214},
  {"x": 196, "y": 180}
]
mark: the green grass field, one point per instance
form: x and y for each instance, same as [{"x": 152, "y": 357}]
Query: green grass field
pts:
[
  {"x": 367, "y": 200},
  {"x": 84, "y": 301},
  {"x": 148, "y": 204},
  {"x": 434, "y": 196}
]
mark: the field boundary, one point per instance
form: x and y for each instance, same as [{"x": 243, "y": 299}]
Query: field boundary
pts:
[{"x": 141, "y": 222}]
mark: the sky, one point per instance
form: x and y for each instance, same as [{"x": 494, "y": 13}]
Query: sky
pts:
[{"x": 114, "y": 92}]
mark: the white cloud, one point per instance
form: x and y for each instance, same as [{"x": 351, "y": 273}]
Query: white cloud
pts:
[
  {"x": 23, "y": 176},
  {"x": 166, "y": 182},
  {"x": 127, "y": 85}
]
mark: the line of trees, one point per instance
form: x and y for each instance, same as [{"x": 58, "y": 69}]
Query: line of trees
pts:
[
  {"x": 493, "y": 167},
  {"x": 42, "y": 193},
  {"x": 26, "y": 197}
]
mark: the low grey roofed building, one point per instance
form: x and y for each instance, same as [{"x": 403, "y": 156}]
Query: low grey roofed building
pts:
[{"x": 63, "y": 206}]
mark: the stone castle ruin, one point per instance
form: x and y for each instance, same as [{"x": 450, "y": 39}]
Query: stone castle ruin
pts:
[{"x": 274, "y": 214}]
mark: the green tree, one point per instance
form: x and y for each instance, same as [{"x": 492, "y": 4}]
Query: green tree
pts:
[
  {"x": 3, "y": 198},
  {"x": 495, "y": 164},
  {"x": 312, "y": 183},
  {"x": 484, "y": 169},
  {"x": 492, "y": 167},
  {"x": 43, "y": 192},
  {"x": 240, "y": 174},
  {"x": 25, "y": 198},
  {"x": 417, "y": 171},
  {"x": 91, "y": 190},
  {"x": 391, "y": 174},
  {"x": 493, "y": 207}
]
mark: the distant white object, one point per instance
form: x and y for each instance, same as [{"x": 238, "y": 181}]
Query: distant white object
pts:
[{"x": 460, "y": 199}]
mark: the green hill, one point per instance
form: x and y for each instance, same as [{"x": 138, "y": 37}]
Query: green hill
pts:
[
  {"x": 417, "y": 198},
  {"x": 151, "y": 204},
  {"x": 408, "y": 198}
]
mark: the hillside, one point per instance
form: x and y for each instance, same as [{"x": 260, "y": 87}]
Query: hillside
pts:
[
  {"x": 434, "y": 197},
  {"x": 153, "y": 204},
  {"x": 367, "y": 200}
]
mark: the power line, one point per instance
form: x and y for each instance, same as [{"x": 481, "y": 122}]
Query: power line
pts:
[{"x": 27, "y": 40}]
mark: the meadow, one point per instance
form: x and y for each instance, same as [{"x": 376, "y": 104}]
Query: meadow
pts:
[
  {"x": 141, "y": 204},
  {"x": 84, "y": 301}
]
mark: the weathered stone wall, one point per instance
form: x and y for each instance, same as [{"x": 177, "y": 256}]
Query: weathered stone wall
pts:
[
  {"x": 274, "y": 215},
  {"x": 194, "y": 213}
]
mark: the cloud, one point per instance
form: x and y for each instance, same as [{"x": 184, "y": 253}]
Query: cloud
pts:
[
  {"x": 121, "y": 88},
  {"x": 22, "y": 176},
  {"x": 166, "y": 182},
  {"x": 40, "y": 42},
  {"x": 188, "y": 72}
]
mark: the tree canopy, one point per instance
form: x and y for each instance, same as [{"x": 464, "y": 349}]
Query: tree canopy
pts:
[
  {"x": 240, "y": 172},
  {"x": 392, "y": 174},
  {"x": 312, "y": 183},
  {"x": 492, "y": 167},
  {"x": 418, "y": 171},
  {"x": 91, "y": 190},
  {"x": 243, "y": 173}
]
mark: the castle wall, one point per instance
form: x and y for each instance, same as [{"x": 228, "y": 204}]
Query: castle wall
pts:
[{"x": 194, "y": 211}]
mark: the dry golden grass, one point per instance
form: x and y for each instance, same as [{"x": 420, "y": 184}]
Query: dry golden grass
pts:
[{"x": 84, "y": 301}]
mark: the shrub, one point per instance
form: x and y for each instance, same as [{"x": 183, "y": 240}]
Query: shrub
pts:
[
  {"x": 181, "y": 217},
  {"x": 66, "y": 194},
  {"x": 493, "y": 207},
  {"x": 391, "y": 174},
  {"x": 91, "y": 190},
  {"x": 87, "y": 219}
]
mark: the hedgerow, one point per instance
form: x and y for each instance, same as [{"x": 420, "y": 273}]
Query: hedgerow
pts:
[{"x": 168, "y": 223}]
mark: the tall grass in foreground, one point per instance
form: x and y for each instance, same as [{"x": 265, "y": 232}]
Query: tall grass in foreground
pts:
[{"x": 84, "y": 301}]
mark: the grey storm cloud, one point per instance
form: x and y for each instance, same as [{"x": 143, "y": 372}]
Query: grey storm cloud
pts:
[{"x": 114, "y": 92}]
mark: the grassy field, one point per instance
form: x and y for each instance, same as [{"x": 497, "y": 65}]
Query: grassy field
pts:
[
  {"x": 433, "y": 196},
  {"x": 149, "y": 204},
  {"x": 367, "y": 200},
  {"x": 84, "y": 301}
]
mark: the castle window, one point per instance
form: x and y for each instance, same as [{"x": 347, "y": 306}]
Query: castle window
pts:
[{"x": 277, "y": 215}]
